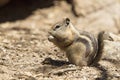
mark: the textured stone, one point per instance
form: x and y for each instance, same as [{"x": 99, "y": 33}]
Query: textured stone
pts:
[{"x": 111, "y": 49}]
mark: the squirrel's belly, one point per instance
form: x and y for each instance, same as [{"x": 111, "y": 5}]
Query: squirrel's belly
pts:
[
  {"x": 77, "y": 60},
  {"x": 76, "y": 54}
]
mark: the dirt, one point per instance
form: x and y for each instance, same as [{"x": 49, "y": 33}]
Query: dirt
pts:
[{"x": 25, "y": 51}]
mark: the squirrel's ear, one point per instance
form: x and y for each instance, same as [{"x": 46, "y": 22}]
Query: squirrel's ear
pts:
[{"x": 67, "y": 21}]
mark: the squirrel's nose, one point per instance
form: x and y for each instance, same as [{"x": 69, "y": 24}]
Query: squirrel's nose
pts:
[
  {"x": 50, "y": 37},
  {"x": 50, "y": 32}
]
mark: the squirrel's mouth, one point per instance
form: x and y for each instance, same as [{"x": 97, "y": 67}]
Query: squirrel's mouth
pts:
[
  {"x": 55, "y": 38},
  {"x": 50, "y": 37}
]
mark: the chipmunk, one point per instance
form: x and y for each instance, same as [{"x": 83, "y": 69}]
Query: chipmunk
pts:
[{"x": 81, "y": 47}]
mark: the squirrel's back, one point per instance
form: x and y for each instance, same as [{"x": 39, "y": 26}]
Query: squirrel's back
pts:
[{"x": 91, "y": 43}]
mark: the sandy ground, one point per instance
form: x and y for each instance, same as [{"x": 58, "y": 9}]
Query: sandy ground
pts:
[{"x": 24, "y": 26}]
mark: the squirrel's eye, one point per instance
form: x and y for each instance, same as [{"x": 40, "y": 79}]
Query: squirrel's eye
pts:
[{"x": 56, "y": 27}]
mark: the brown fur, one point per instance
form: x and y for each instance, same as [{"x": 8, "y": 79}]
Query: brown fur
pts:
[{"x": 80, "y": 47}]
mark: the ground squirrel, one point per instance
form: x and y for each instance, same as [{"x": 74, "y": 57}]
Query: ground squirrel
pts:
[{"x": 81, "y": 47}]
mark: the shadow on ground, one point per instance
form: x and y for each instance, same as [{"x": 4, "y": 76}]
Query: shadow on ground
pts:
[
  {"x": 104, "y": 74},
  {"x": 55, "y": 62},
  {"x": 20, "y": 9}
]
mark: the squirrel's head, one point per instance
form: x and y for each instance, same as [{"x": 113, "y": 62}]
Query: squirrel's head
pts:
[{"x": 61, "y": 34}]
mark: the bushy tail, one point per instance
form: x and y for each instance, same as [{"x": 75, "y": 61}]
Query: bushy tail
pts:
[{"x": 100, "y": 48}]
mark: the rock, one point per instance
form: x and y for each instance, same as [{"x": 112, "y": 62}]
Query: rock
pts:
[
  {"x": 111, "y": 48},
  {"x": 98, "y": 15},
  {"x": 84, "y": 7}
]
